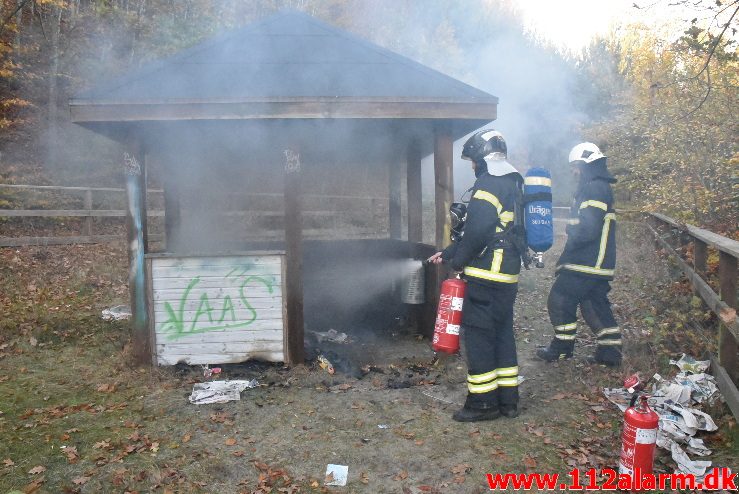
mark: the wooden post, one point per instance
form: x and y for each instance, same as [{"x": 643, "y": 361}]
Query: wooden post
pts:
[
  {"x": 394, "y": 210},
  {"x": 700, "y": 256},
  {"x": 443, "y": 197},
  {"x": 87, "y": 227},
  {"x": 171, "y": 211},
  {"x": 135, "y": 226},
  {"x": 293, "y": 258},
  {"x": 444, "y": 182},
  {"x": 415, "y": 200},
  {"x": 727, "y": 344}
]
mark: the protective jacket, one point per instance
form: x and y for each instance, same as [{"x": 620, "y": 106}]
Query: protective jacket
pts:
[
  {"x": 591, "y": 233},
  {"x": 490, "y": 211}
]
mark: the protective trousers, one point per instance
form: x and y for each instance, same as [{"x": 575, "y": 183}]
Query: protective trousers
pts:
[
  {"x": 591, "y": 294},
  {"x": 492, "y": 366}
]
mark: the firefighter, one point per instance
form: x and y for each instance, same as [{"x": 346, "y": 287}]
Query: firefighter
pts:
[
  {"x": 586, "y": 266},
  {"x": 491, "y": 264}
]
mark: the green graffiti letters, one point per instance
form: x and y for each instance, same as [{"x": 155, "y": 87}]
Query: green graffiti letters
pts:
[{"x": 214, "y": 312}]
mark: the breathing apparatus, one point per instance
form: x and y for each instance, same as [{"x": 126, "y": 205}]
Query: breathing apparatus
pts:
[{"x": 458, "y": 216}]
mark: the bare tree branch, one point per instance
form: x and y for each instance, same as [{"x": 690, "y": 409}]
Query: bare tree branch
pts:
[{"x": 12, "y": 14}]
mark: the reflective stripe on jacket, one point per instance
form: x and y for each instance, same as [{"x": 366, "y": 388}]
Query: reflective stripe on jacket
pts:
[
  {"x": 591, "y": 233},
  {"x": 491, "y": 210}
]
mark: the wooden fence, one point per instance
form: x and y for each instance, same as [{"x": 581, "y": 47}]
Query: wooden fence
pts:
[
  {"x": 367, "y": 205},
  {"x": 671, "y": 235}
]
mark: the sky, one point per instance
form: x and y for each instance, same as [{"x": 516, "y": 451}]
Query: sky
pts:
[{"x": 571, "y": 24}]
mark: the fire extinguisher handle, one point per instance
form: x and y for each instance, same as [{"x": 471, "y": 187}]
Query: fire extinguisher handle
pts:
[{"x": 634, "y": 397}]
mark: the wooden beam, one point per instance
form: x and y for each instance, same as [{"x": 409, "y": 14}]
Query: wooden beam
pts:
[
  {"x": 725, "y": 313},
  {"x": 700, "y": 256},
  {"x": 172, "y": 219},
  {"x": 715, "y": 240},
  {"x": 726, "y": 386},
  {"x": 727, "y": 342},
  {"x": 314, "y": 108},
  {"x": 87, "y": 227},
  {"x": 444, "y": 182},
  {"x": 414, "y": 195},
  {"x": 293, "y": 258},
  {"x": 61, "y": 213},
  {"x": 135, "y": 225},
  {"x": 394, "y": 210}
]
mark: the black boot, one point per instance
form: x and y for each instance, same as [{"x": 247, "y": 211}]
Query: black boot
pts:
[
  {"x": 557, "y": 350},
  {"x": 607, "y": 355},
  {"x": 475, "y": 415},
  {"x": 510, "y": 411}
]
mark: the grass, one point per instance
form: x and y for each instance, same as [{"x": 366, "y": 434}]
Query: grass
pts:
[{"x": 71, "y": 403}]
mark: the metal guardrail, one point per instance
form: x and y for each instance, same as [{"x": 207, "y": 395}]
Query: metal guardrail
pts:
[{"x": 671, "y": 234}]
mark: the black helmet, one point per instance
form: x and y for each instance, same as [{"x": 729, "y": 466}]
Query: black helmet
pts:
[{"x": 483, "y": 143}]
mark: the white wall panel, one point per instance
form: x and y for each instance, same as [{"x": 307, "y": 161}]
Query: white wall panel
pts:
[{"x": 209, "y": 310}]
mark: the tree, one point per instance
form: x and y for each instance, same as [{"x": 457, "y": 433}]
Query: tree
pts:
[{"x": 675, "y": 156}]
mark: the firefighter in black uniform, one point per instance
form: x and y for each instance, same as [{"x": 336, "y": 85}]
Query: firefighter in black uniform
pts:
[
  {"x": 491, "y": 264},
  {"x": 586, "y": 266}
]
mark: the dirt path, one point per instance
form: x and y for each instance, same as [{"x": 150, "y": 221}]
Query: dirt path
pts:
[{"x": 73, "y": 406}]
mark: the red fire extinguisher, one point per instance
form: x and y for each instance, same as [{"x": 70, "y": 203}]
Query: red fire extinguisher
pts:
[
  {"x": 449, "y": 316},
  {"x": 638, "y": 440}
]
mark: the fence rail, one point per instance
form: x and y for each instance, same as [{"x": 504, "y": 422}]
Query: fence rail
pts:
[
  {"x": 366, "y": 203},
  {"x": 670, "y": 235}
]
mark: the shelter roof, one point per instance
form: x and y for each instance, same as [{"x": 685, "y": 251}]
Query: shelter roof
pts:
[{"x": 289, "y": 65}]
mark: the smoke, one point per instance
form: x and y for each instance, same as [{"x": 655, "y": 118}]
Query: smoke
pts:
[{"x": 483, "y": 43}]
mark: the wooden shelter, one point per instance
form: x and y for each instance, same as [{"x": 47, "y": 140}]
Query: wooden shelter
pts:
[{"x": 275, "y": 104}]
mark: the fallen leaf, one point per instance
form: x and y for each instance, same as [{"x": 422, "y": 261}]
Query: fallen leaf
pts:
[
  {"x": 529, "y": 462},
  {"x": 34, "y": 486},
  {"x": 597, "y": 408},
  {"x": 186, "y": 438},
  {"x": 238, "y": 453},
  {"x": 559, "y": 396},
  {"x": 80, "y": 480},
  {"x": 461, "y": 468},
  {"x": 401, "y": 476},
  {"x": 8, "y": 462},
  {"x": 329, "y": 478},
  {"x": 419, "y": 442},
  {"x": 106, "y": 388},
  {"x": 364, "y": 478},
  {"x": 230, "y": 441},
  {"x": 71, "y": 453},
  {"x": 33, "y": 341},
  {"x": 37, "y": 470},
  {"x": 101, "y": 445}
]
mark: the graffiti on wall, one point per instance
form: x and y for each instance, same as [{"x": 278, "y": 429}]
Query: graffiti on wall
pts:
[{"x": 214, "y": 309}]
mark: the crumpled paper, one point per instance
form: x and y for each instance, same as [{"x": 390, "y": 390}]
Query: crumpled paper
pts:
[
  {"x": 674, "y": 400},
  {"x": 219, "y": 391},
  {"x": 689, "y": 364},
  {"x": 331, "y": 335}
]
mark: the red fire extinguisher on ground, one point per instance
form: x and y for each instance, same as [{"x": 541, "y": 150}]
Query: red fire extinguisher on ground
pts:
[
  {"x": 449, "y": 316},
  {"x": 638, "y": 440}
]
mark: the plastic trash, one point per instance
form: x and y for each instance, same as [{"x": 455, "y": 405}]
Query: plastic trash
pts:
[
  {"x": 219, "y": 391},
  {"x": 117, "y": 313},
  {"x": 324, "y": 363},
  {"x": 336, "y": 475}
]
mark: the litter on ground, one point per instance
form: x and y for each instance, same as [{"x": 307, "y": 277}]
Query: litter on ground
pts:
[{"x": 219, "y": 391}]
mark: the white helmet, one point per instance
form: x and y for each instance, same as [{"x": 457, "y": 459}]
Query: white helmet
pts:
[{"x": 586, "y": 152}]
